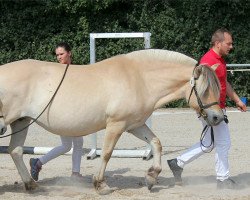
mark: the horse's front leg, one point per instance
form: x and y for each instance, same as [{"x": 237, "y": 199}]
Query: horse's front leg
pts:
[
  {"x": 112, "y": 134},
  {"x": 145, "y": 134},
  {"x": 16, "y": 151}
]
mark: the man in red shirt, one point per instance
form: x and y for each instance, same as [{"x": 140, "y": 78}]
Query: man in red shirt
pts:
[{"x": 222, "y": 43}]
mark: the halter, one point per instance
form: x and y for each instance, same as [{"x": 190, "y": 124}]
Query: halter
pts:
[
  {"x": 203, "y": 114},
  {"x": 201, "y": 106},
  {"x": 34, "y": 120}
]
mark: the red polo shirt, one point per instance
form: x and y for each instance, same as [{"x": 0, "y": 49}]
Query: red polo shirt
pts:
[{"x": 211, "y": 58}]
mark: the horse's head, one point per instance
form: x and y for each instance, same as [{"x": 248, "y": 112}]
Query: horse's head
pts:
[
  {"x": 204, "y": 94},
  {"x": 3, "y": 127}
]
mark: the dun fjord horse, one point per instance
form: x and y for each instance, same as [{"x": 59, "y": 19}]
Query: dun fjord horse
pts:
[{"x": 116, "y": 94}]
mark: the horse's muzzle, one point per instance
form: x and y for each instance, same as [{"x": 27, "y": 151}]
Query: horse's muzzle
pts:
[{"x": 213, "y": 118}]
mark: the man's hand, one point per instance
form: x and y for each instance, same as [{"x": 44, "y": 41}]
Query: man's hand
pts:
[{"x": 241, "y": 106}]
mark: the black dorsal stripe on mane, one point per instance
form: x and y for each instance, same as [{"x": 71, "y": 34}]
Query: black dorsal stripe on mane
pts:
[{"x": 164, "y": 55}]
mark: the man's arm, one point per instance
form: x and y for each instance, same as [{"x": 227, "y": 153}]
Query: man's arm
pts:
[{"x": 232, "y": 95}]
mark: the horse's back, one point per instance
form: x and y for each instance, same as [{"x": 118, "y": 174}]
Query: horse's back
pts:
[{"x": 162, "y": 55}]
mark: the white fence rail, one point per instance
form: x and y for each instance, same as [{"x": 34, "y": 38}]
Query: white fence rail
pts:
[{"x": 240, "y": 67}]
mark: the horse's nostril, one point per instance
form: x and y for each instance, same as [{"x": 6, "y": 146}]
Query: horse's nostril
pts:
[
  {"x": 3, "y": 130},
  {"x": 215, "y": 118}
]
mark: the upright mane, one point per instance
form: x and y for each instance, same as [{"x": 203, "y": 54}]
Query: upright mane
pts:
[
  {"x": 164, "y": 55},
  {"x": 207, "y": 79}
]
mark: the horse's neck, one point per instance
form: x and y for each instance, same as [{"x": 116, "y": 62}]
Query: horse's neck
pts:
[
  {"x": 168, "y": 76},
  {"x": 168, "y": 83}
]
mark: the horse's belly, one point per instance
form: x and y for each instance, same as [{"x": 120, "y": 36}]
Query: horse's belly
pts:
[{"x": 73, "y": 127}]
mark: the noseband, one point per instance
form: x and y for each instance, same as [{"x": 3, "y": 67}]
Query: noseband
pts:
[{"x": 201, "y": 106}]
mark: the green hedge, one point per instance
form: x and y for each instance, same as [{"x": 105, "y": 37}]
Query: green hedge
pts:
[{"x": 31, "y": 28}]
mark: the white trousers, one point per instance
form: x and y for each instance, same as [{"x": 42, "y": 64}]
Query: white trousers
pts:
[
  {"x": 64, "y": 148},
  {"x": 222, "y": 145}
]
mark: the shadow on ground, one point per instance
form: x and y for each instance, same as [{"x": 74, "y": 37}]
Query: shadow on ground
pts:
[{"x": 115, "y": 179}]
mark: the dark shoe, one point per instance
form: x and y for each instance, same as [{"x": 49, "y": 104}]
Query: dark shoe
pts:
[
  {"x": 34, "y": 168},
  {"x": 227, "y": 184},
  {"x": 177, "y": 171}
]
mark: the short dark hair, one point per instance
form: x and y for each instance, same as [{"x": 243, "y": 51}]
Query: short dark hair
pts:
[
  {"x": 64, "y": 45},
  {"x": 219, "y": 35}
]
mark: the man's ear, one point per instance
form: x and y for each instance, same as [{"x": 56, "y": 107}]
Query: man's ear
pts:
[{"x": 214, "y": 67}]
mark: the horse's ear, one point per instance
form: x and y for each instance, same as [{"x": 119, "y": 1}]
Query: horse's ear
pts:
[
  {"x": 198, "y": 70},
  {"x": 214, "y": 67}
]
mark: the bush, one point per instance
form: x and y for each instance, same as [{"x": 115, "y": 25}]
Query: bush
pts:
[{"x": 32, "y": 28}]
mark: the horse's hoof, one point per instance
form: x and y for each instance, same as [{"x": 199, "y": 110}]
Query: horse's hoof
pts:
[
  {"x": 151, "y": 177},
  {"x": 150, "y": 181},
  {"x": 31, "y": 185},
  {"x": 101, "y": 187}
]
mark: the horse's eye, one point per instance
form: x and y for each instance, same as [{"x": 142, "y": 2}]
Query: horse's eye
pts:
[{"x": 206, "y": 93}]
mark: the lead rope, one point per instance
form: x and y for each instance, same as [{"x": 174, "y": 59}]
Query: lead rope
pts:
[
  {"x": 44, "y": 108},
  {"x": 210, "y": 147}
]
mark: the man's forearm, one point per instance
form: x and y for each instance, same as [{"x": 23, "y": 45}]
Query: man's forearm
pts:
[{"x": 232, "y": 94}]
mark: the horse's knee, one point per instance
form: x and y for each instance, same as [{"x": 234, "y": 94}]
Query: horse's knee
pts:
[{"x": 156, "y": 143}]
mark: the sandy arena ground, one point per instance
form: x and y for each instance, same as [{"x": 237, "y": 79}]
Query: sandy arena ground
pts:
[{"x": 177, "y": 130}]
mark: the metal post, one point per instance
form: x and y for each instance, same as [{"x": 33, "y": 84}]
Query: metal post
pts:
[{"x": 145, "y": 154}]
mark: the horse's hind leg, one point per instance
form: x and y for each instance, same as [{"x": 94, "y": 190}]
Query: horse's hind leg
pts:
[
  {"x": 113, "y": 133},
  {"x": 145, "y": 134},
  {"x": 16, "y": 151}
]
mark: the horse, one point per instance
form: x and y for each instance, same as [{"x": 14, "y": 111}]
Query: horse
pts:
[{"x": 117, "y": 94}]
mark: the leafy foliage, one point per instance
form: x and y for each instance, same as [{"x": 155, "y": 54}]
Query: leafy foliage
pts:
[{"x": 32, "y": 28}]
